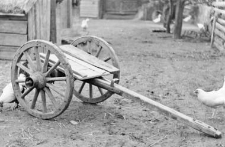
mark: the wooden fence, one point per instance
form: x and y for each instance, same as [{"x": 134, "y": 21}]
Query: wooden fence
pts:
[{"x": 218, "y": 26}]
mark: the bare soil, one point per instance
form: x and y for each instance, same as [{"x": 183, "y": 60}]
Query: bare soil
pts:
[{"x": 152, "y": 64}]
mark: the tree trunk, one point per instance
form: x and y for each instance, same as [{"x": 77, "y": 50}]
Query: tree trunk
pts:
[
  {"x": 178, "y": 19},
  {"x": 169, "y": 19}
]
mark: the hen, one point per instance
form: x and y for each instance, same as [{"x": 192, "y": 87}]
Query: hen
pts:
[
  {"x": 84, "y": 24},
  {"x": 8, "y": 93},
  {"x": 213, "y": 98}
]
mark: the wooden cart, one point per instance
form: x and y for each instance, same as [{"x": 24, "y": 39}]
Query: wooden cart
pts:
[{"x": 87, "y": 68}]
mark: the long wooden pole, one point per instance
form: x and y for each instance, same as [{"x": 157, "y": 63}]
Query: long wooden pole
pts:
[{"x": 194, "y": 123}]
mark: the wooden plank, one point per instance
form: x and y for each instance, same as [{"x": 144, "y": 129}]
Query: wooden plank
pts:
[
  {"x": 219, "y": 10},
  {"x": 81, "y": 70},
  {"x": 221, "y": 21},
  {"x": 219, "y": 40},
  {"x": 47, "y": 14},
  {"x": 53, "y": 30},
  {"x": 7, "y": 52},
  {"x": 12, "y": 39},
  {"x": 218, "y": 46},
  {"x": 219, "y": 33},
  {"x": 89, "y": 8},
  {"x": 219, "y": 43},
  {"x": 82, "y": 55},
  {"x": 220, "y": 27},
  {"x": 31, "y": 24},
  {"x": 12, "y": 14},
  {"x": 86, "y": 65},
  {"x": 13, "y": 27}
]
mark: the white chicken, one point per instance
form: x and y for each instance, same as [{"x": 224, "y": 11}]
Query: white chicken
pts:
[
  {"x": 158, "y": 19},
  {"x": 84, "y": 24},
  {"x": 201, "y": 27},
  {"x": 186, "y": 19},
  {"x": 8, "y": 93},
  {"x": 213, "y": 98}
]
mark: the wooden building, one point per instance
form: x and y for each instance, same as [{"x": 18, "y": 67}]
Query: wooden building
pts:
[
  {"x": 124, "y": 9},
  {"x": 90, "y": 8},
  {"x": 20, "y": 21},
  {"x": 24, "y": 20}
]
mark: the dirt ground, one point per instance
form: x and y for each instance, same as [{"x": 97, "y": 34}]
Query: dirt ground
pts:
[{"x": 152, "y": 64}]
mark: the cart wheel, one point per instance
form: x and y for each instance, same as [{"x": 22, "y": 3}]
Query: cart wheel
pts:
[
  {"x": 99, "y": 48},
  {"x": 48, "y": 91}
]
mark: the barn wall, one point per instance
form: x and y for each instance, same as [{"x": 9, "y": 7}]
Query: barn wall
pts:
[
  {"x": 39, "y": 21},
  {"x": 64, "y": 17},
  {"x": 13, "y": 33},
  {"x": 90, "y": 8}
]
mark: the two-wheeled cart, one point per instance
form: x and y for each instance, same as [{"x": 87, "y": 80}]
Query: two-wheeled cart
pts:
[{"x": 87, "y": 68}]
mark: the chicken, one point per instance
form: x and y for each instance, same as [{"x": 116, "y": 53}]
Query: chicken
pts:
[
  {"x": 84, "y": 24},
  {"x": 213, "y": 98},
  {"x": 186, "y": 19},
  {"x": 8, "y": 93},
  {"x": 201, "y": 27},
  {"x": 158, "y": 19}
]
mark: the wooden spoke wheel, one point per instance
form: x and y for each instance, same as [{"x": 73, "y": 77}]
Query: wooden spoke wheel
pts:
[
  {"x": 48, "y": 90},
  {"x": 99, "y": 48}
]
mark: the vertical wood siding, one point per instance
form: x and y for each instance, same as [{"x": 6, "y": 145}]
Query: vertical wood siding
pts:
[{"x": 39, "y": 21}]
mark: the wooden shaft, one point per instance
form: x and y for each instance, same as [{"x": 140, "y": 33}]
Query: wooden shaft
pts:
[{"x": 196, "y": 124}]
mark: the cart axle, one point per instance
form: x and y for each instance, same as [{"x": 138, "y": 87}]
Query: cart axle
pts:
[{"x": 38, "y": 80}]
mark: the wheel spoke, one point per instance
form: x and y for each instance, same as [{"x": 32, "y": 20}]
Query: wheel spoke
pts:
[
  {"x": 38, "y": 61},
  {"x": 43, "y": 97},
  {"x": 27, "y": 92},
  {"x": 35, "y": 99},
  {"x": 99, "y": 51},
  {"x": 107, "y": 59},
  {"x": 52, "y": 68},
  {"x": 45, "y": 66},
  {"x": 55, "y": 79},
  {"x": 81, "y": 88},
  {"x": 54, "y": 89},
  {"x": 52, "y": 98},
  {"x": 90, "y": 91},
  {"x": 20, "y": 65},
  {"x": 30, "y": 61},
  {"x": 100, "y": 90},
  {"x": 89, "y": 47}
]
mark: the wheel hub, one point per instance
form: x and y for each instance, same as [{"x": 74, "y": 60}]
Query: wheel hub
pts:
[{"x": 37, "y": 80}]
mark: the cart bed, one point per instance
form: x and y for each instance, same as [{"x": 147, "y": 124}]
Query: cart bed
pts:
[{"x": 84, "y": 65}]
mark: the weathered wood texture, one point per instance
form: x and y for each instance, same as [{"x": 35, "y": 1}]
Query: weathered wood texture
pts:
[
  {"x": 218, "y": 29},
  {"x": 64, "y": 18},
  {"x": 13, "y": 27},
  {"x": 17, "y": 29},
  {"x": 7, "y": 52},
  {"x": 82, "y": 55},
  {"x": 6, "y": 16},
  {"x": 12, "y": 39},
  {"x": 81, "y": 69},
  {"x": 39, "y": 20},
  {"x": 90, "y": 8}
]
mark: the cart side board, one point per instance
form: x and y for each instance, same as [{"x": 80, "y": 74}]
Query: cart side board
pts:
[{"x": 82, "y": 55}]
